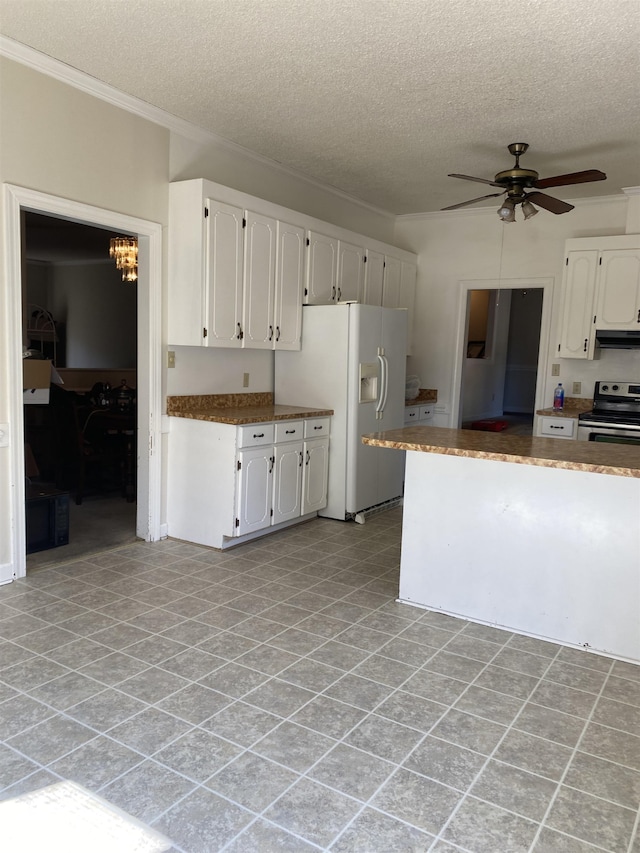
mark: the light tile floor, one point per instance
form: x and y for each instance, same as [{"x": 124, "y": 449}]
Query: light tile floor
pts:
[{"x": 276, "y": 698}]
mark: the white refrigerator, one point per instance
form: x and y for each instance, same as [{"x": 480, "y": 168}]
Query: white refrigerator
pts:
[{"x": 353, "y": 360}]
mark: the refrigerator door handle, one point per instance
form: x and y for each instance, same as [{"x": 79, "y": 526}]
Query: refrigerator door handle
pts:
[{"x": 384, "y": 386}]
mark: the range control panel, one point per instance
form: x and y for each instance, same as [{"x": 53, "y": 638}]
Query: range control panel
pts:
[{"x": 622, "y": 390}]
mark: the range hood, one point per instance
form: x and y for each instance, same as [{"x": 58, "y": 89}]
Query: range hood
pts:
[{"x": 613, "y": 339}]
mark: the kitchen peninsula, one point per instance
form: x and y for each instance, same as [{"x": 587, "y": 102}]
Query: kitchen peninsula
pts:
[{"x": 539, "y": 536}]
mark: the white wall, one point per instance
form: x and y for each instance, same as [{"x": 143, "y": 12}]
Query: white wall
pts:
[
  {"x": 475, "y": 245},
  {"x": 202, "y": 370},
  {"x": 483, "y": 378}
]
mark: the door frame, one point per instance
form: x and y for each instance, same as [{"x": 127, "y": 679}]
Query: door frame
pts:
[
  {"x": 544, "y": 284},
  {"x": 149, "y": 394}
]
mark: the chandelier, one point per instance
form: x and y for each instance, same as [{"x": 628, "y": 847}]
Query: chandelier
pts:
[{"x": 125, "y": 252}]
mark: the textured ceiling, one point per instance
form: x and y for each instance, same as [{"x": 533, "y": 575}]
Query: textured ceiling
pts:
[{"x": 379, "y": 98}]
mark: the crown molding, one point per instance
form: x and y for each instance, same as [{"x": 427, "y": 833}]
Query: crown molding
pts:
[
  {"x": 64, "y": 73},
  {"x": 479, "y": 211},
  {"x": 631, "y": 190}
]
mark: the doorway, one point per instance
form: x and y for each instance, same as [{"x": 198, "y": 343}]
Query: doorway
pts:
[
  {"x": 19, "y": 200},
  {"x": 502, "y": 350},
  {"x": 80, "y": 315}
]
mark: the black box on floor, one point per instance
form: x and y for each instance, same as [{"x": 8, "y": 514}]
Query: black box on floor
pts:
[{"x": 47, "y": 516}]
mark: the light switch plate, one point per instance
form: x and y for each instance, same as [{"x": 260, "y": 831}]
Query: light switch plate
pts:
[
  {"x": 245, "y": 380},
  {"x": 577, "y": 388},
  {"x": 171, "y": 358},
  {"x": 555, "y": 370}
]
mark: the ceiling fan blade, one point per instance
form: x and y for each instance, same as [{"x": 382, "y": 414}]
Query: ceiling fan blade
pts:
[
  {"x": 473, "y": 201},
  {"x": 573, "y": 178},
  {"x": 479, "y": 180},
  {"x": 555, "y": 205}
]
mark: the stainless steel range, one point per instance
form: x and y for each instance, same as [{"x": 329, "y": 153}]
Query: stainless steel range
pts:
[{"x": 615, "y": 417}]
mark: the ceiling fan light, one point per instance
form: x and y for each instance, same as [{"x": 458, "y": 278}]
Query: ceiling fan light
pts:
[
  {"x": 507, "y": 211},
  {"x": 528, "y": 209}
]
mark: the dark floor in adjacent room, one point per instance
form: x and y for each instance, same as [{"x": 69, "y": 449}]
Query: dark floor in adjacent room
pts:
[{"x": 277, "y": 698}]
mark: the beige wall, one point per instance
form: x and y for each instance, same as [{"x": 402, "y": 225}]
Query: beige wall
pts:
[
  {"x": 232, "y": 168},
  {"x": 61, "y": 141}
]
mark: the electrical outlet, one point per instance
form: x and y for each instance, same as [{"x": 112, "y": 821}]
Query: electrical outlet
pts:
[
  {"x": 555, "y": 370},
  {"x": 245, "y": 380},
  {"x": 577, "y": 388},
  {"x": 171, "y": 358}
]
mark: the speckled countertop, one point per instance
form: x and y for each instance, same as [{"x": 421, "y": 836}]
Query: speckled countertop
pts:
[
  {"x": 622, "y": 460},
  {"x": 237, "y": 409},
  {"x": 573, "y": 406},
  {"x": 425, "y": 395}
]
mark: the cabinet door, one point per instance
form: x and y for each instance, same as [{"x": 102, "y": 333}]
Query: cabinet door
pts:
[
  {"x": 411, "y": 415},
  {"x": 254, "y": 489},
  {"x": 287, "y": 481},
  {"x": 315, "y": 475},
  {"x": 289, "y": 286},
  {"x": 223, "y": 276},
  {"x": 577, "y": 337},
  {"x": 407, "y": 297},
  {"x": 373, "y": 278},
  {"x": 322, "y": 265},
  {"x": 619, "y": 289},
  {"x": 350, "y": 278},
  {"x": 259, "y": 282},
  {"x": 391, "y": 282}
]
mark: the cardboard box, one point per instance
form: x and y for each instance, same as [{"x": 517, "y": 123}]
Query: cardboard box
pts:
[{"x": 36, "y": 379}]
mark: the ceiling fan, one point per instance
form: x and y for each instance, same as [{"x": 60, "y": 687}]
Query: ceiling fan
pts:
[{"x": 516, "y": 180}]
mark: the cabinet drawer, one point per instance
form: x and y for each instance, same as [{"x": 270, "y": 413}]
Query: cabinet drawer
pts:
[
  {"x": 289, "y": 431},
  {"x": 411, "y": 415},
  {"x": 558, "y": 427},
  {"x": 316, "y": 427},
  {"x": 253, "y": 435}
]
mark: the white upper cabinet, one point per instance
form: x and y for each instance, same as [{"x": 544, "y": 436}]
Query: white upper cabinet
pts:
[
  {"x": 619, "y": 289},
  {"x": 600, "y": 290},
  {"x": 399, "y": 290},
  {"x": 577, "y": 332},
  {"x": 322, "y": 260},
  {"x": 223, "y": 275},
  {"x": 259, "y": 281},
  {"x": 391, "y": 282},
  {"x": 289, "y": 284},
  {"x": 350, "y": 275},
  {"x": 241, "y": 268},
  {"x": 373, "y": 277}
]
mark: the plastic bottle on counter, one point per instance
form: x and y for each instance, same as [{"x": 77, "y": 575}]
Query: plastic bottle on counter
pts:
[{"x": 558, "y": 397}]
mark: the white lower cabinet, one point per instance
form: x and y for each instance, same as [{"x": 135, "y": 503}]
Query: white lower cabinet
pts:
[
  {"x": 226, "y": 482},
  {"x": 315, "y": 473},
  {"x": 554, "y": 426},
  {"x": 421, "y": 414}
]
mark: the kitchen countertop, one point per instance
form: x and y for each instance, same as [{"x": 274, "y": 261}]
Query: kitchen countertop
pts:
[
  {"x": 238, "y": 409},
  {"x": 573, "y": 406},
  {"x": 618, "y": 459},
  {"x": 425, "y": 395}
]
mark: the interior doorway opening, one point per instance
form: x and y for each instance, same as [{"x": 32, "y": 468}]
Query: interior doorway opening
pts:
[
  {"x": 501, "y": 363},
  {"x": 18, "y": 200},
  {"x": 81, "y": 316},
  {"x": 503, "y": 333}
]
